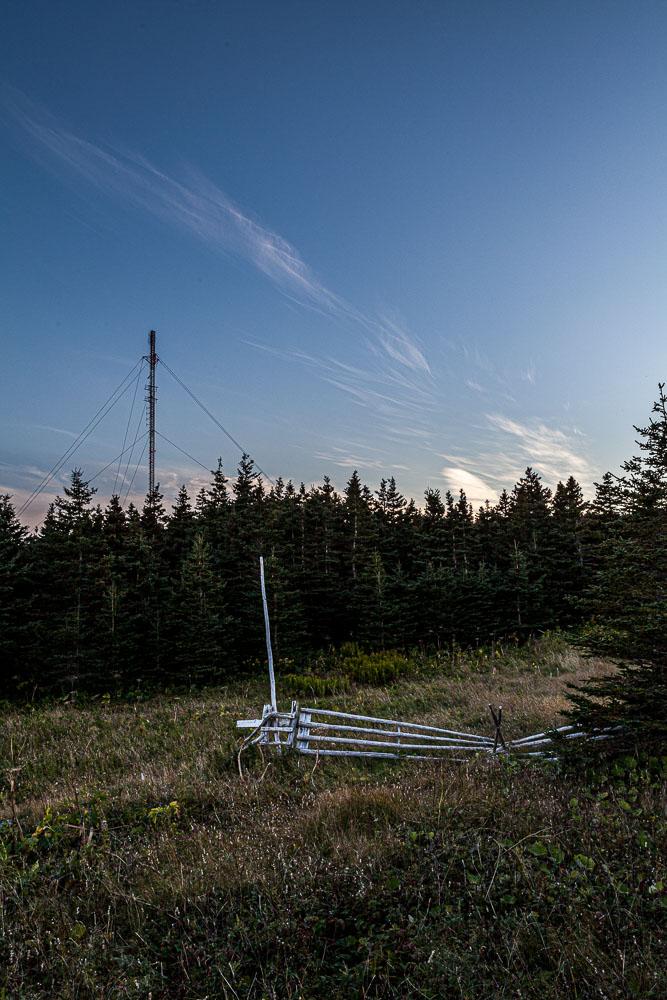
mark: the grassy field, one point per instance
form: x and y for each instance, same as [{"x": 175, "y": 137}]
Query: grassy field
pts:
[{"x": 136, "y": 862}]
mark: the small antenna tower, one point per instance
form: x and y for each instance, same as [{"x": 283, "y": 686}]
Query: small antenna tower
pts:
[{"x": 152, "y": 360}]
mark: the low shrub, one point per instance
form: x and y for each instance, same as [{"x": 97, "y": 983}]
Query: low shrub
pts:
[
  {"x": 375, "y": 668},
  {"x": 310, "y": 684}
]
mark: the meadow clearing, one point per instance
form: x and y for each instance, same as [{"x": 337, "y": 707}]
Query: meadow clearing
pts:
[{"x": 135, "y": 861}]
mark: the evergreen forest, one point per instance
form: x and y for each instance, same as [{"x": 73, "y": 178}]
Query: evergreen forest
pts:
[
  {"x": 102, "y": 600},
  {"x": 142, "y": 855}
]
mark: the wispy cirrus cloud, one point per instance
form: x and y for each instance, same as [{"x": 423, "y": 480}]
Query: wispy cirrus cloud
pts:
[
  {"x": 346, "y": 459},
  {"x": 400, "y": 346},
  {"x": 474, "y": 355},
  {"x": 554, "y": 453},
  {"x": 198, "y": 207},
  {"x": 195, "y": 204},
  {"x": 55, "y": 430},
  {"x": 381, "y": 387},
  {"x": 23, "y": 480},
  {"x": 475, "y": 487},
  {"x": 530, "y": 374},
  {"x": 24, "y": 473},
  {"x": 505, "y": 447}
]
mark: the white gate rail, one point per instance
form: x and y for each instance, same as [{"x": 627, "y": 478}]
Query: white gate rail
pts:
[{"x": 325, "y": 732}]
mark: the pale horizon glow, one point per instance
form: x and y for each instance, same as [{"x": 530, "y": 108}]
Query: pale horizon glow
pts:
[{"x": 385, "y": 237}]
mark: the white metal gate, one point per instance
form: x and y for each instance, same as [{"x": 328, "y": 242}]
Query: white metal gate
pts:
[{"x": 325, "y": 732}]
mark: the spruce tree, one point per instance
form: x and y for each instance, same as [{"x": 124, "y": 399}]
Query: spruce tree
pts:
[
  {"x": 15, "y": 617},
  {"x": 153, "y": 516},
  {"x": 360, "y": 535},
  {"x": 180, "y": 532},
  {"x": 321, "y": 578},
  {"x": 532, "y": 544},
  {"x": 213, "y": 519},
  {"x": 198, "y": 638},
  {"x": 67, "y": 550},
  {"x": 357, "y": 518},
  {"x": 397, "y": 550},
  {"x": 374, "y": 627},
  {"x": 433, "y": 530},
  {"x": 628, "y": 604},
  {"x": 241, "y": 568},
  {"x": 566, "y": 561},
  {"x": 114, "y": 584}
]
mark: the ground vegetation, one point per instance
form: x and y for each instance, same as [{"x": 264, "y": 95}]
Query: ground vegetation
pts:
[{"x": 135, "y": 861}]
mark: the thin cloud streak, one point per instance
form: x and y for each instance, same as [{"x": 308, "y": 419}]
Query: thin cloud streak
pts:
[
  {"x": 550, "y": 451},
  {"x": 506, "y": 447},
  {"x": 530, "y": 374},
  {"x": 384, "y": 389},
  {"x": 24, "y": 471},
  {"x": 200, "y": 208},
  {"x": 56, "y": 430},
  {"x": 401, "y": 347},
  {"x": 345, "y": 460},
  {"x": 476, "y": 489},
  {"x": 406, "y": 431},
  {"x": 391, "y": 379}
]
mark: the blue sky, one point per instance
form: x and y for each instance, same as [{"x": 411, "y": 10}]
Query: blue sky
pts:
[{"x": 420, "y": 239}]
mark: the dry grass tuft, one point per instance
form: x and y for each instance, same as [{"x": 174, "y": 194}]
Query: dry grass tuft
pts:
[{"x": 149, "y": 868}]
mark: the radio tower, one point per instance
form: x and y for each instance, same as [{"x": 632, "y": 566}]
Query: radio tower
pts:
[{"x": 151, "y": 358}]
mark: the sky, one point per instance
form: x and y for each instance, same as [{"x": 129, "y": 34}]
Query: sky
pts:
[{"x": 416, "y": 238}]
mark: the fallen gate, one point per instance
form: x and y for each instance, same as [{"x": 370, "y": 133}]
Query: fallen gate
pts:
[{"x": 324, "y": 732}]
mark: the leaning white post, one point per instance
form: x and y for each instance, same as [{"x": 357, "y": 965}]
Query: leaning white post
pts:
[{"x": 268, "y": 636}]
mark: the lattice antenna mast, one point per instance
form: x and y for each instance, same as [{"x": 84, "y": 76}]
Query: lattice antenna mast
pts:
[{"x": 151, "y": 397}]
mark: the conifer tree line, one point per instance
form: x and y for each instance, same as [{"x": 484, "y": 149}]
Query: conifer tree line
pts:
[{"x": 109, "y": 599}]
